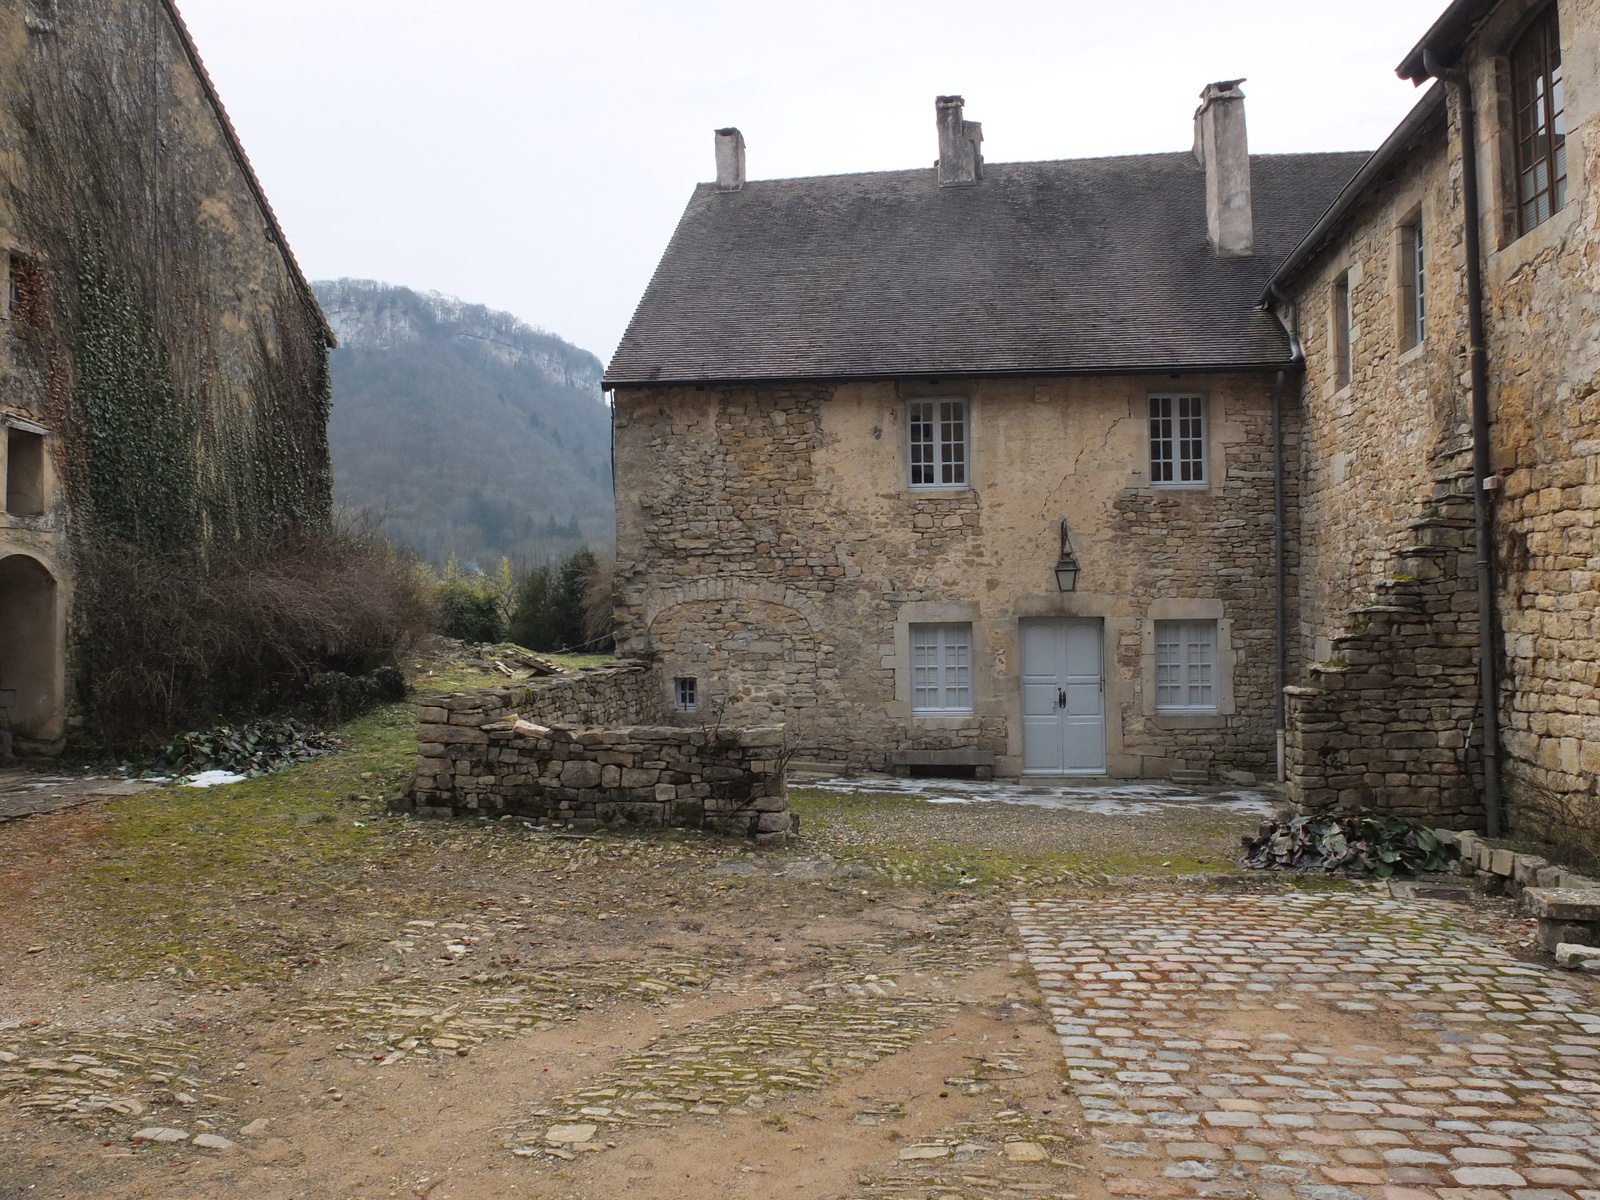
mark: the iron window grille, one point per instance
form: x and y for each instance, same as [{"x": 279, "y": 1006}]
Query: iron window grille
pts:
[
  {"x": 1178, "y": 441},
  {"x": 938, "y": 433},
  {"x": 941, "y": 668},
  {"x": 1540, "y": 121},
  {"x": 1186, "y": 666}
]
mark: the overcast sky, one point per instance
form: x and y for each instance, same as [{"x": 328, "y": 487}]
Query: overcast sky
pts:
[{"x": 535, "y": 156}]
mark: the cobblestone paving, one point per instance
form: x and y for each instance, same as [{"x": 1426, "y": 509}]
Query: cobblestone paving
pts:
[
  {"x": 732, "y": 1064},
  {"x": 97, "y": 1079},
  {"x": 1006, "y": 1152},
  {"x": 1317, "y": 1047}
]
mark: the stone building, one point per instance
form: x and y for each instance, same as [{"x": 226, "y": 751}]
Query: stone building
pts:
[
  {"x": 852, "y": 413},
  {"x": 162, "y": 361},
  {"x": 1410, "y": 438}
]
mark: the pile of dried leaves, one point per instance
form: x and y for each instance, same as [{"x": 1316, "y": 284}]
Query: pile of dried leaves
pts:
[{"x": 1379, "y": 845}]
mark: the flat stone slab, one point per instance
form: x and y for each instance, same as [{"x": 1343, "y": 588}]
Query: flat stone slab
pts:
[
  {"x": 27, "y": 793},
  {"x": 1133, "y": 798},
  {"x": 1563, "y": 904},
  {"x": 1346, "y": 1046}
]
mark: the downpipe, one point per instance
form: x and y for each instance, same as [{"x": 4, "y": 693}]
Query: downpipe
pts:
[
  {"x": 1280, "y": 646},
  {"x": 1481, "y": 514}
]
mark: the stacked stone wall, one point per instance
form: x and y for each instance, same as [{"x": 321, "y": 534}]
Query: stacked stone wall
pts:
[
  {"x": 1374, "y": 447},
  {"x": 1389, "y": 722},
  {"x": 770, "y": 546},
  {"x": 479, "y": 754}
]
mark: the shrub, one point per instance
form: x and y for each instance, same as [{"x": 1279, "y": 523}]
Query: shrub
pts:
[
  {"x": 468, "y": 613},
  {"x": 168, "y": 642}
]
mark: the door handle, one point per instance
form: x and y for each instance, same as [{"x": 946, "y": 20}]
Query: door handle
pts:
[{"x": 1061, "y": 698}]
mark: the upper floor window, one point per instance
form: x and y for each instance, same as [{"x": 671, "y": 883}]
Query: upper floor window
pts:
[
  {"x": 1186, "y": 666},
  {"x": 938, "y": 431},
  {"x": 941, "y": 668},
  {"x": 1341, "y": 330},
  {"x": 1178, "y": 440},
  {"x": 1541, "y": 124},
  {"x": 1413, "y": 284}
]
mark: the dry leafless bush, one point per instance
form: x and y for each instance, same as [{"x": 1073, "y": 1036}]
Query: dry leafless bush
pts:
[
  {"x": 165, "y": 643},
  {"x": 1568, "y": 823}
]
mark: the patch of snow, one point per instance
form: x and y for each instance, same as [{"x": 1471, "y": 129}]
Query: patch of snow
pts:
[
  {"x": 1110, "y": 800},
  {"x": 213, "y": 779}
]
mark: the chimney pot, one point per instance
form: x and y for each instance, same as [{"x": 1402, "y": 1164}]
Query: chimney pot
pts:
[
  {"x": 960, "y": 141},
  {"x": 1223, "y": 150},
  {"x": 730, "y": 160}
]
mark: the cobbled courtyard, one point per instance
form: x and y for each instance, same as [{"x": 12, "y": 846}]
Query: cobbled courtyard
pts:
[{"x": 276, "y": 990}]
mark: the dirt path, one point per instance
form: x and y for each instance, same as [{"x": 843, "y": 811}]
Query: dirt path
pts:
[{"x": 367, "y": 1007}]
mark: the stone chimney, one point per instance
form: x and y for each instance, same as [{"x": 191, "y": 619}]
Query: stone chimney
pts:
[
  {"x": 730, "y": 160},
  {"x": 960, "y": 162},
  {"x": 1221, "y": 147}
]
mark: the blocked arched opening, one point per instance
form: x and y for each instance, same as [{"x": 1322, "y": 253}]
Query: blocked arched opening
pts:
[{"x": 30, "y": 670}]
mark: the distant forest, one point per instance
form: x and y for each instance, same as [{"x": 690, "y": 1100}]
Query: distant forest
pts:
[{"x": 473, "y": 434}]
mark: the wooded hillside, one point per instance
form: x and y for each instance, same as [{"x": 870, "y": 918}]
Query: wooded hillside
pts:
[{"x": 476, "y": 434}]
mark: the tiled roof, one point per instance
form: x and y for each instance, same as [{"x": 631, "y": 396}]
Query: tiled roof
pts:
[{"x": 1078, "y": 266}]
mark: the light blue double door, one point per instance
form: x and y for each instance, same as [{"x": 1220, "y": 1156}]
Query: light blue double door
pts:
[{"x": 1063, "y": 697}]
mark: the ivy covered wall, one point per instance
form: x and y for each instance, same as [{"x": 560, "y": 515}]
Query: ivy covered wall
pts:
[{"x": 161, "y": 328}]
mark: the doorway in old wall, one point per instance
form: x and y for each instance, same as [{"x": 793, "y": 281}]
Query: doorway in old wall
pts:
[
  {"x": 1063, "y": 697},
  {"x": 30, "y": 670}
]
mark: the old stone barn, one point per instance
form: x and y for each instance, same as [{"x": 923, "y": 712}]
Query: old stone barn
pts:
[
  {"x": 162, "y": 361},
  {"x": 854, "y": 414}
]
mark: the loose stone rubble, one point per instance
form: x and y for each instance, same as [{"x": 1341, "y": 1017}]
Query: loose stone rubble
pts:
[{"x": 1431, "y": 1065}]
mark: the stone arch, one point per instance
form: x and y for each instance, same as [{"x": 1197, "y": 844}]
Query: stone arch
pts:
[
  {"x": 660, "y": 600},
  {"x": 756, "y": 658},
  {"x": 30, "y": 654}
]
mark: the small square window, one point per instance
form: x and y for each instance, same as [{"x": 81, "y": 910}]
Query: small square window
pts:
[
  {"x": 686, "y": 691},
  {"x": 937, "y": 432},
  {"x": 1186, "y": 666},
  {"x": 1178, "y": 441},
  {"x": 941, "y": 668}
]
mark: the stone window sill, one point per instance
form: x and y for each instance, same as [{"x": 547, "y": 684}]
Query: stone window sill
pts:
[
  {"x": 951, "y": 493},
  {"x": 1189, "y": 721},
  {"x": 1412, "y": 355},
  {"x": 944, "y": 718},
  {"x": 1515, "y": 255}
]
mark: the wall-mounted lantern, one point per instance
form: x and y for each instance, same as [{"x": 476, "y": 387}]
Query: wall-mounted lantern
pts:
[{"x": 1067, "y": 564}]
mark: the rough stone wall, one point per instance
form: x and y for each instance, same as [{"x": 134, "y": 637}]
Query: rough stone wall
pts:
[
  {"x": 1542, "y": 298},
  {"x": 1390, "y": 455},
  {"x": 108, "y": 136},
  {"x": 770, "y": 546},
  {"x": 480, "y": 755}
]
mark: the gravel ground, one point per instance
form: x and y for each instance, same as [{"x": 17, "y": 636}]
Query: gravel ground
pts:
[{"x": 339, "y": 1003}]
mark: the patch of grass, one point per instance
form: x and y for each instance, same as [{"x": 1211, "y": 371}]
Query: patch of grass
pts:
[
  {"x": 910, "y": 842},
  {"x": 182, "y": 870}
]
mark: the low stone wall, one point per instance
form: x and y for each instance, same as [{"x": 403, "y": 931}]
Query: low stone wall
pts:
[
  {"x": 1389, "y": 724},
  {"x": 480, "y": 753}
]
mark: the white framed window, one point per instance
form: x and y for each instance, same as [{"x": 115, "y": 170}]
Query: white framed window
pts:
[
  {"x": 1413, "y": 284},
  {"x": 938, "y": 443},
  {"x": 1178, "y": 441},
  {"x": 941, "y": 667},
  {"x": 1186, "y": 666},
  {"x": 686, "y": 692}
]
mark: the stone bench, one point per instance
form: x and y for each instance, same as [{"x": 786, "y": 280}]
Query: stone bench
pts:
[
  {"x": 1564, "y": 915},
  {"x": 982, "y": 761}
]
